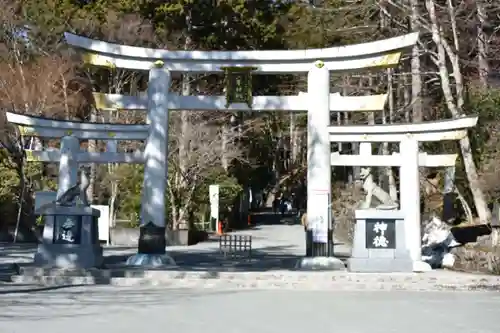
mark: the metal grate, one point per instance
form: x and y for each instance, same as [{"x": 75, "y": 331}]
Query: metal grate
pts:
[{"x": 235, "y": 246}]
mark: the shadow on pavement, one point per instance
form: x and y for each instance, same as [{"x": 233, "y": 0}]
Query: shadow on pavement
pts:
[
  {"x": 209, "y": 261},
  {"x": 260, "y": 260},
  {"x": 268, "y": 217},
  {"x": 30, "y": 288},
  {"x": 212, "y": 260}
]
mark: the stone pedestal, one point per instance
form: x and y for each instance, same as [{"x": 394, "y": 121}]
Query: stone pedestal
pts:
[
  {"x": 380, "y": 242},
  {"x": 70, "y": 238}
]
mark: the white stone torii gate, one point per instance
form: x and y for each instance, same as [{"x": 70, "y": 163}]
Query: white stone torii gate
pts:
[
  {"x": 409, "y": 159},
  {"x": 71, "y": 132},
  {"x": 69, "y": 156},
  {"x": 161, "y": 63}
]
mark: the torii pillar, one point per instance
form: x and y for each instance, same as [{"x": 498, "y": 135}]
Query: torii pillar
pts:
[
  {"x": 152, "y": 241},
  {"x": 319, "y": 220}
]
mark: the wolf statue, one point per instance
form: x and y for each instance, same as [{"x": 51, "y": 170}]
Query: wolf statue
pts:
[
  {"x": 79, "y": 190},
  {"x": 373, "y": 191}
]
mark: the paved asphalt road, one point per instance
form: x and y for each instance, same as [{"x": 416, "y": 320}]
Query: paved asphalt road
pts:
[
  {"x": 111, "y": 309},
  {"x": 141, "y": 309}
]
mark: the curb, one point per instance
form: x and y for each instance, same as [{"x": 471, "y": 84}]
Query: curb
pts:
[{"x": 274, "y": 280}]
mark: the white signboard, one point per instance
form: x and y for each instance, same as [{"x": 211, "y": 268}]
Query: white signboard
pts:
[
  {"x": 103, "y": 224},
  {"x": 213, "y": 192},
  {"x": 318, "y": 223}
]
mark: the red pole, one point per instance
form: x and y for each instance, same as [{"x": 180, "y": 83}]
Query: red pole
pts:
[{"x": 219, "y": 227}]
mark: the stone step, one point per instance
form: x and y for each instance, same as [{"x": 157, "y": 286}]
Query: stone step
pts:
[
  {"x": 265, "y": 280},
  {"x": 7, "y": 271},
  {"x": 116, "y": 272},
  {"x": 59, "y": 280},
  {"x": 6, "y": 276}
]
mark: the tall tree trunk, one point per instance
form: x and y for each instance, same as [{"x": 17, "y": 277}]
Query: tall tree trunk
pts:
[
  {"x": 110, "y": 116},
  {"x": 416, "y": 78},
  {"x": 455, "y": 106},
  {"x": 482, "y": 44},
  {"x": 277, "y": 161},
  {"x": 22, "y": 190},
  {"x": 453, "y": 24},
  {"x": 369, "y": 179},
  {"x": 388, "y": 173},
  {"x": 92, "y": 148},
  {"x": 406, "y": 98},
  {"x": 294, "y": 147},
  {"x": 224, "y": 144},
  {"x": 119, "y": 80},
  {"x": 391, "y": 181},
  {"x": 183, "y": 142}
]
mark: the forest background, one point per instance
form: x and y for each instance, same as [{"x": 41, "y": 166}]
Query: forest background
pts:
[{"x": 452, "y": 71}]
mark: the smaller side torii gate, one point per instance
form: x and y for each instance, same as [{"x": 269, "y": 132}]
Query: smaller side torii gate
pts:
[{"x": 409, "y": 159}]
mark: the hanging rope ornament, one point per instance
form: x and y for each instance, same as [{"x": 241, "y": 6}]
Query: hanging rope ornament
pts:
[{"x": 238, "y": 84}]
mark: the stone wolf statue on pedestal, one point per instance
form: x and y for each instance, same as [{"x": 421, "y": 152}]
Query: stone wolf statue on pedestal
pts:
[
  {"x": 79, "y": 190},
  {"x": 373, "y": 190}
]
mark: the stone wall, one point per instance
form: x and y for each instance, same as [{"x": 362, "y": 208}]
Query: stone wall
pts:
[
  {"x": 124, "y": 236},
  {"x": 129, "y": 237},
  {"x": 477, "y": 259},
  {"x": 118, "y": 236}
]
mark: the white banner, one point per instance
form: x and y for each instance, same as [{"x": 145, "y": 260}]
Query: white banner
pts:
[
  {"x": 318, "y": 223},
  {"x": 213, "y": 193}
]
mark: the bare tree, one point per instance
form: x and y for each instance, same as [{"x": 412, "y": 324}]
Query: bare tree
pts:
[
  {"x": 186, "y": 174},
  {"x": 482, "y": 43},
  {"x": 455, "y": 103},
  {"x": 127, "y": 29},
  {"x": 31, "y": 82},
  {"x": 416, "y": 78},
  {"x": 442, "y": 27}
]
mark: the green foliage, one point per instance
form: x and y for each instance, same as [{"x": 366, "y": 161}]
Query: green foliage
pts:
[
  {"x": 215, "y": 24},
  {"x": 10, "y": 188},
  {"x": 486, "y": 104},
  {"x": 229, "y": 188},
  {"x": 129, "y": 191},
  {"x": 10, "y": 183},
  {"x": 39, "y": 220},
  {"x": 329, "y": 25}
]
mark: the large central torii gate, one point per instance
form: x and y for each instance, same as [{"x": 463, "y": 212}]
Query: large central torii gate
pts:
[{"x": 318, "y": 102}]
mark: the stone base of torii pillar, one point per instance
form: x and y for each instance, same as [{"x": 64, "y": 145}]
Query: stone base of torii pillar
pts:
[
  {"x": 320, "y": 264},
  {"x": 151, "y": 260},
  {"x": 151, "y": 251}
]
